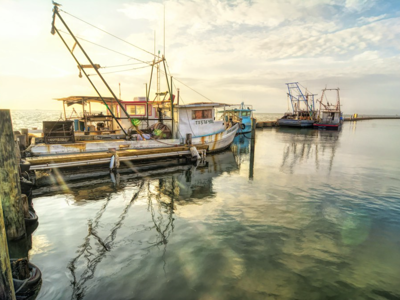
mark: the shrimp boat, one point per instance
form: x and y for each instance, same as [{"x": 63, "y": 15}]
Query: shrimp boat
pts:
[
  {"x": 138, "y": 129},
  {"x": 303, "y": 112},
  {"x": 240, "y": 114},
  {"x": 330, "y": 115}
]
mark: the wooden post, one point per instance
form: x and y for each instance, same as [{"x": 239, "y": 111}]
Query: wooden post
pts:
[
  {"x": 10, "y": 189},
  {"x": 252, "y": 146},
  {"x": 188, "y": 139},
  {"x": 6, "y": 282}
]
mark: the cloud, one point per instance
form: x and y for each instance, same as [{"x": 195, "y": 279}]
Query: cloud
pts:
[
  {"x": 234, "y": 50},
  {"x": 366, "y": 20}
]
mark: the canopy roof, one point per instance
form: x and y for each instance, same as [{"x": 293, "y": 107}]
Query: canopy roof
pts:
[
  {"x": 71, "y": 100},
  {"x": 202, "y": 104}
]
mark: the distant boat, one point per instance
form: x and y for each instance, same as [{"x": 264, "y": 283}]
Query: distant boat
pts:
[
  {"x": 303, "y": 112},
  {"x": 242, "y": 114},
  {"x": 330, "y": 115}
]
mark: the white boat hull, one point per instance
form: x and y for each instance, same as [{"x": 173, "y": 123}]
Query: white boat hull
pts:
[{"x": 215, "y": 142}]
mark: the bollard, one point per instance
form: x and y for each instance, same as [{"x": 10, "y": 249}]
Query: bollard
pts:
[
  {"x": 195, "y": 154},
  {"x": 188, "y": 139},
  {"x": 10, "y": 190}
]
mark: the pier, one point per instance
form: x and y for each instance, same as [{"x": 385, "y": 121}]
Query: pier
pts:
[
  {"x": 263, "y": 124},
  {"x": 352, "y": 119}
]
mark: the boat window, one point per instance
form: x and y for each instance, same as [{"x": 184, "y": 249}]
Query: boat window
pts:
[
  {"x": 246, "y": 114},
  {"x": 138, "y": 110},
  {"x": 202, "y": 114}
]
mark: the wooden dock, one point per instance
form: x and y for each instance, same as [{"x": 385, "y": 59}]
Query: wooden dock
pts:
[{"x": 82, "y": 159}]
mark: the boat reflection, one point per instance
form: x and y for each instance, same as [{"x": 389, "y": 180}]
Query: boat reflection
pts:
[
  {"x": 161, "y": 194},
  {"x": 196, "y": 182},
  {"x": 308, "y": 146}
]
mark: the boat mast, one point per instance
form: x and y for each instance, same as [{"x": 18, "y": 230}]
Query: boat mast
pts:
[{"x": 95, "y": 67}]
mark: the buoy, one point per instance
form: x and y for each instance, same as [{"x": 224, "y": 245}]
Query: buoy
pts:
[
  {"x": 112, "y": 163},
  {"x": 195, "y": 153}
]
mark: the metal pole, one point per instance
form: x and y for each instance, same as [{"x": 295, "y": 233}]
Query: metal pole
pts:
[
  {"x": 252, "y": 147},
  {"x": 65, "y": 114},
  {"x": 170, "y": 95},
  {"x": 147, "y": 108},
  {"x": 172, "y": 109}
]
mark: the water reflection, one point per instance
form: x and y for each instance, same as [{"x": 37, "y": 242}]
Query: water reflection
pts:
[
  {"x": 315, "y": 223},
  {"x": 95, "y": 248},
  {"x": 307, "y": 146},
  {"x": 181, "y": 186}
]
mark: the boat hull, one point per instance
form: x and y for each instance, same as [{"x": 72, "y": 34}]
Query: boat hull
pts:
[
  {"x": 214, "y": 142},
  {"x": 246, "y": 129},
  {"x": 295, "y": 123},
  {"x": 328, "y": 126}
]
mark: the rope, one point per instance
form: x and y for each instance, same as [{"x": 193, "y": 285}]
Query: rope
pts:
[
  {"x": 20, "y": 288},
  {"x": 116, "y": 66},
  {"x": 131, "y": 69},
  {"x": 152, "y": 54}
]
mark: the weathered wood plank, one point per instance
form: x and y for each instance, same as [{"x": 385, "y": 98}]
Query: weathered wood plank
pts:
[
  {"x": 90, "y": 156},
  {"x": 6, "y": 282},
  {"x": 10, "y": 190}
]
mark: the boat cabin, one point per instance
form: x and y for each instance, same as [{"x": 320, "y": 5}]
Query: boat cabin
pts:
[
  {"x": 238, "y": 113},
  {"x": 200, "y": 119},
  {"x": 93, "y": 118},
  {"x": 331, "y": 117}
]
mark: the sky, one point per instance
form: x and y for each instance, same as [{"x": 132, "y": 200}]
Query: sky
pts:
[{"x": 229, "y": 51}]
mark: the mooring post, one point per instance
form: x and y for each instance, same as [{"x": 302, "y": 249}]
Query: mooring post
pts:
[
  {"x": 10, "y": 189},
  {"x": 252, "y": 146},
  {"x": 189, "y": 139}
]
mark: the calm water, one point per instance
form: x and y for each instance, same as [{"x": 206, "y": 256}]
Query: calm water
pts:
[{"x": 320, "y": 219}]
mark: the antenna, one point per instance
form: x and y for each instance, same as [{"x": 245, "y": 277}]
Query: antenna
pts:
[{"x": 164, "y": 29}]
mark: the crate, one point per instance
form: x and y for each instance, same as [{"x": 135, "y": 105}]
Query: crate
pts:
[{"x": 58, "y": 132}]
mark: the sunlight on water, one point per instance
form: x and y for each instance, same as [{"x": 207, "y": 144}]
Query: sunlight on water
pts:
[{"x": 319, "y": 220}]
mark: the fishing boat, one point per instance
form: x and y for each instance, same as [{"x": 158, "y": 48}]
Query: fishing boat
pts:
[
  {"x": 138, "y": 129},
  {"x": 330, "y": 115},
  {"x": 303, "y": 112},
  {"x": 241, "y": 114}
]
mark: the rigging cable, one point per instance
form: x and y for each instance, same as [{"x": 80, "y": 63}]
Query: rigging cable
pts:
[
  {"x": 108, "y": 33},
  {"x": 145, "y": 62},
  {"x": 131, "y": 69},
  {"x": 187, "y": 85}
]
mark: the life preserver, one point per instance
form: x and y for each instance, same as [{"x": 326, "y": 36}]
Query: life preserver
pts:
[{"x": 242, "y": 126}]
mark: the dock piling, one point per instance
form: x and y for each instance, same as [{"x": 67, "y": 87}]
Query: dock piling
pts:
[
  {"x": 6, "y": 281},
  {"x": 252, "y": 146},
  {"x": 10, "y": 190}
]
